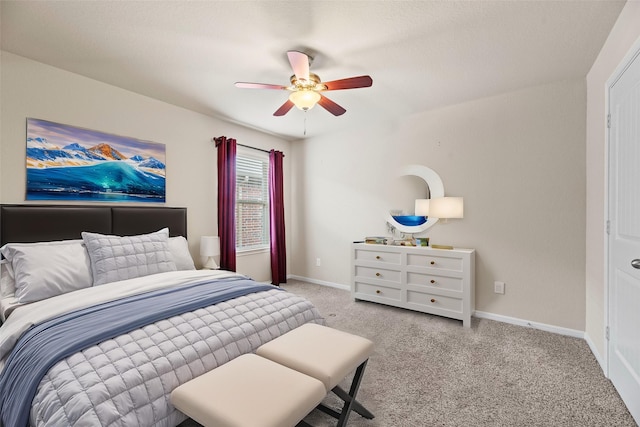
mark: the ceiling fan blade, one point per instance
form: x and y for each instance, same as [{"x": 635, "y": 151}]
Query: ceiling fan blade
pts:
[
  {"x": 349, "y": 83},
  {"x": 331, "y": 106},
  {"x": 299, "y": 63},
  {"x": 284, "y": 109},
  {"x": 246, "y": 85}
]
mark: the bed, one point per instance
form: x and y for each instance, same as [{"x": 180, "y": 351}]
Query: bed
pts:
[{"x": 104, "y": 314}]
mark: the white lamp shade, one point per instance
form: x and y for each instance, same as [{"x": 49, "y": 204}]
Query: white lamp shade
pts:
[
  {"x": 446, "y": 207},
  {"x": 422, "y": 207},
  {"x": 210, "y": 247}
]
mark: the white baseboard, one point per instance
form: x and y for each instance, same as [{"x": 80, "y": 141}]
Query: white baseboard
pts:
[
  {"x": 529, "y": 324},
  {"x": 491, "y": 316},
  {"x": 319, "y": 282},
  {"x": 596, "y": 354}
]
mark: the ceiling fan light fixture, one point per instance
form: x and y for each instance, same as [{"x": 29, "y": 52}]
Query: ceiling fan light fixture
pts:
[
  {"x": 305, "y": 87},
  {"x": 304, "y": 99}
]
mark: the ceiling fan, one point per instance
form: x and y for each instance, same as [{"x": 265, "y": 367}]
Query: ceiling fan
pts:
[{"x": 305, "y": 87}]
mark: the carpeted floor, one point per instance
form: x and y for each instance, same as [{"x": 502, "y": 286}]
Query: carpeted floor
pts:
[{"x": 430, "y": 371}]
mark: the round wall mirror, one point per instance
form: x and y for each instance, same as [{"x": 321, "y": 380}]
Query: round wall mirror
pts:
[{"x": 435, "y": 188}]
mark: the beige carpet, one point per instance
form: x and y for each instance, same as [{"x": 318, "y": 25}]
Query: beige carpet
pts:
[{"x": 430, "y": 371}]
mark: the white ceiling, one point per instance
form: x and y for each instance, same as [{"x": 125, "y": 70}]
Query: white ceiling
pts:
[{"x": 420, "y": 54}]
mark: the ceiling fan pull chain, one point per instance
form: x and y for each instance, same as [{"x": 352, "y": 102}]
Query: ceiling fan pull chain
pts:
[{"x": 305, "y": 123}]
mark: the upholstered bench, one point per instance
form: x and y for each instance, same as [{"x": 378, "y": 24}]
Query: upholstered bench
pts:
[
  {"x": 328, "y": 355},
  {"x": 249, "y": 391}
]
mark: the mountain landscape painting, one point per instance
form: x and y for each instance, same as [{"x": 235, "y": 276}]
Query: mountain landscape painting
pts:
[{"x": 71, "y": 163}]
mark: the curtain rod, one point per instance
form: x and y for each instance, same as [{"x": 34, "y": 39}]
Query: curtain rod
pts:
[
  {"x": 253, "y": 148},
  {"x": 247, "y": 146}
]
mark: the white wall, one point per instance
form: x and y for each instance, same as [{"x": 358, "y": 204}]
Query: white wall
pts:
[
  {"x": 624, "y": 35},
  {"x": 32, "y": 89},
  {"x": 518, "y": 160}
]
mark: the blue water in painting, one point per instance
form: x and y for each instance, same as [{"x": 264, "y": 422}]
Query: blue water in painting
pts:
[{"x": 107, "y": 181}]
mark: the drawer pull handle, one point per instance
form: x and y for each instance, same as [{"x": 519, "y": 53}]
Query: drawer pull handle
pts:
[
  {"x": 433, "y": 300},
  {"x": 433, "y": 281},
  {"x": 378, "y": 274},
  {"x": 378, "y": 291},
  {"x": 432, "y": 262},
  {"x": 377, "y": 256}
]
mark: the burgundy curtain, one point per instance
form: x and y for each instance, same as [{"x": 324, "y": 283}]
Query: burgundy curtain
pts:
[
  {"x": 276, "y": 219},
  {"x": 227, "y": 201}
]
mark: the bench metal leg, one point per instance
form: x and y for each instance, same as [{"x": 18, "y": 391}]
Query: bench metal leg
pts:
[
  {"x": 357, "y": 406},
  {"x": 350, "y": 402}
]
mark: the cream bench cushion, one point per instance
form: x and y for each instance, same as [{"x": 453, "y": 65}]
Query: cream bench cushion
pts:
[
  {"x": 249, "y": 391},
  {"x": 319, "y": 351}
]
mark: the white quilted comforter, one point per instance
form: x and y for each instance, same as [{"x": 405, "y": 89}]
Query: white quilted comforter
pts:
[{"x": 127, "y": 381}]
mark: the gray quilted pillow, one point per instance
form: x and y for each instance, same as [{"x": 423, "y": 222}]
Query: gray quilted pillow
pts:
[{"x": 116, "y": 258}]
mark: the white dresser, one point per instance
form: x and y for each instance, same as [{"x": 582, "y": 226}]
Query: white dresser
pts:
[{"x": 435, "y": 281}]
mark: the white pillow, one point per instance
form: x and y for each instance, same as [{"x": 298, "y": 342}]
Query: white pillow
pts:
[
  {"x": 7, "y": 284},
  {"x": 179, "y": 248},
  {"x": 45, "y": 269},
  {"x": 115, "y": 258}
]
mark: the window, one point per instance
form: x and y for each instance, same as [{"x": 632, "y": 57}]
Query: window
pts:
[{"x": 252, "y": 200}]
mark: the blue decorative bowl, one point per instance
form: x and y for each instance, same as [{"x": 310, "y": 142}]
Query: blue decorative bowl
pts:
[{"x": 410, "y": 220}]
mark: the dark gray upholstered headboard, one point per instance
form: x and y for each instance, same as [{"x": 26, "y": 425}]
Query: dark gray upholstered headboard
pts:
[{"x": 41, "y": 223}]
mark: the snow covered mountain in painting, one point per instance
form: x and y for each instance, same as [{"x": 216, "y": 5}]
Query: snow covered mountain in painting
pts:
[
  {"x": 148, "y": 162},
  {"x": 40, "y": 154},
  {"x": 80, "y": 152}
]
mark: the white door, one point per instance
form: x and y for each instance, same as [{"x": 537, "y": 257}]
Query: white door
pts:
[{"x": 624, "y": 236}]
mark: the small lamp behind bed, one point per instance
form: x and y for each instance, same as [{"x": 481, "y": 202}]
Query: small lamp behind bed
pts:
[{"x": 210, "y": 247}]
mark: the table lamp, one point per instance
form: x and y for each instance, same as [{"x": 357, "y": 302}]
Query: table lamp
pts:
[
  {"x": 209, "y": 248},
  {"x": 446, "y": 207}
]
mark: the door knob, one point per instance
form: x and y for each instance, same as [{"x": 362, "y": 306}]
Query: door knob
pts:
[{"x": 635, "y": 263}]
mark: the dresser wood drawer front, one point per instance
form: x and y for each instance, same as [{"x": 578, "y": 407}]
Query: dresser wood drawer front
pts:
[
  {"x": 434, "y": 302},
  {"x": 376, "y": 292},
  {"x": 434, "y": 261},
  {"x": 378, "y": 273},
  {"x": 372, "y": 255},
  {"x": 436, "y": 282}
]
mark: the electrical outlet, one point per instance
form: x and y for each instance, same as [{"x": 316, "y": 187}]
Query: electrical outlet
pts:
[
  {"x": 498, "y": 287},
  {"x": 317, "y": 262}
]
